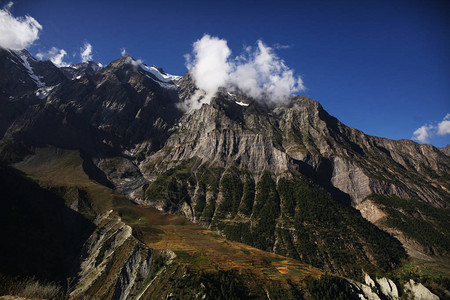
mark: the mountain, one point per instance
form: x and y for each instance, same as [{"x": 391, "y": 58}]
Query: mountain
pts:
[
  {"x": 76, "y": 71},
  {"x": 288, "y": 179}
]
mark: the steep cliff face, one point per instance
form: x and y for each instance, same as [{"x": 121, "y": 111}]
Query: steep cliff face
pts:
[
  {"x": 301, "y": 136},
  {"x": 113, "y": 263}
]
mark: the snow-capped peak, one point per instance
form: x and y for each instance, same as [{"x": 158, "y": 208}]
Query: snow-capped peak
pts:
[
  {"x": 160, "y": 75},
  {"x": 154, "y": 73}
]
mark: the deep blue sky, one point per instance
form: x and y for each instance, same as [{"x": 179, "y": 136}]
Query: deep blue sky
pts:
[{"x": 379, "y": 66}]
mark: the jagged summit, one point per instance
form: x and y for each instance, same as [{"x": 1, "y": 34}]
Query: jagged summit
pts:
[
  {"x": 21, "y": 72},
  {"x": 126, "y": 62},
  {"x": 76, "y": 71}
]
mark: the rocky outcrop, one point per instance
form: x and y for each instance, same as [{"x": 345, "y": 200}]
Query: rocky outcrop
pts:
[
  {"x": 137, "y": 268},
  {"x": 370, "y": 211},
  {"x": 364, "y": 291},
  {"x": 350, "y": 179},
  {"x": 388, "y": 288},
  {"x": 385, "y": 288},
  {"x": 113, "y": 264},
  {"x": 417, "y": 291}
]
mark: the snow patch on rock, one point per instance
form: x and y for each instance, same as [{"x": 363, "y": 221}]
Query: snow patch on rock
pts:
[
  {"x": 241, "y": 103},
  {"x": 44, "y": 91},
  {"x": 27, "y": 66}
]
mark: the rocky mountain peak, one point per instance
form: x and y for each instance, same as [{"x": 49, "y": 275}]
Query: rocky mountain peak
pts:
[
  {"x": 21, "y": 73},
  {"x": 78, "y": 70}
]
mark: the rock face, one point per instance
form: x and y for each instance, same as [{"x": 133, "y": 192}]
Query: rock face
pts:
[
  {"x": 287, "y": 178},
  {"x": 365, "y": 292},
  {"x": 418, "y": 291},
  {"x": 116, "y": 107},
  {"x": 388, "y": 288},
  {"x": 77, "y": 71},
  {"x": 114, "y": 264},
  {"x": 302, "y": 136},
  {"x": 125, "y": 176},
  {"x": 23, "y": 81},
  {"x": 446, "y": 150}
]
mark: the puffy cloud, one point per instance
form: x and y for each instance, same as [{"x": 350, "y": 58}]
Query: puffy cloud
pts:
[
  {"x": 137, "y": 63},
  {"x": 210, "y": 68},
  {"x": 258, "y": 72},
  {"x": 426, "y": 132},
  {"x": 17, "y": 33},
  {"x": 261, "y": 74},
  {"x": 423, "y": 134},
  {"x": 86, "y": 52},
  {"x": 123, "y": 51},
  {"x": 55, "y": 55},
  {"x": 444, "y": 126}
]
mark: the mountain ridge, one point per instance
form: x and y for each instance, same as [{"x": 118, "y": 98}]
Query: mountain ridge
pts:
[{"x": 287, "y": 178}]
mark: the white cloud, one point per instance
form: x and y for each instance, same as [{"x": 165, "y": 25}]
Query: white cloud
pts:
[
  {"x": 281, "y": 46},
  {"x": 423, "y": 134},
  {"x": 9, "y": 5},
  {"x": 55, "y": 55},
  {"x": 444, "y": 126},
  {"x": 86, "y": 52},
  {"x": 210, "y": 68},
  {"x": 261, "y": 74},
  {"x": 137, "y": 63},
  {"x": 17, "y": 33},
  {"x": 123, "y": 51},
  {"x": 258, "y": 72},
  {"x": 426, "y": 132}
]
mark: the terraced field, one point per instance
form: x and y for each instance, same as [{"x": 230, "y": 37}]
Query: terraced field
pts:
[{"x": 199, "y": 247}]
